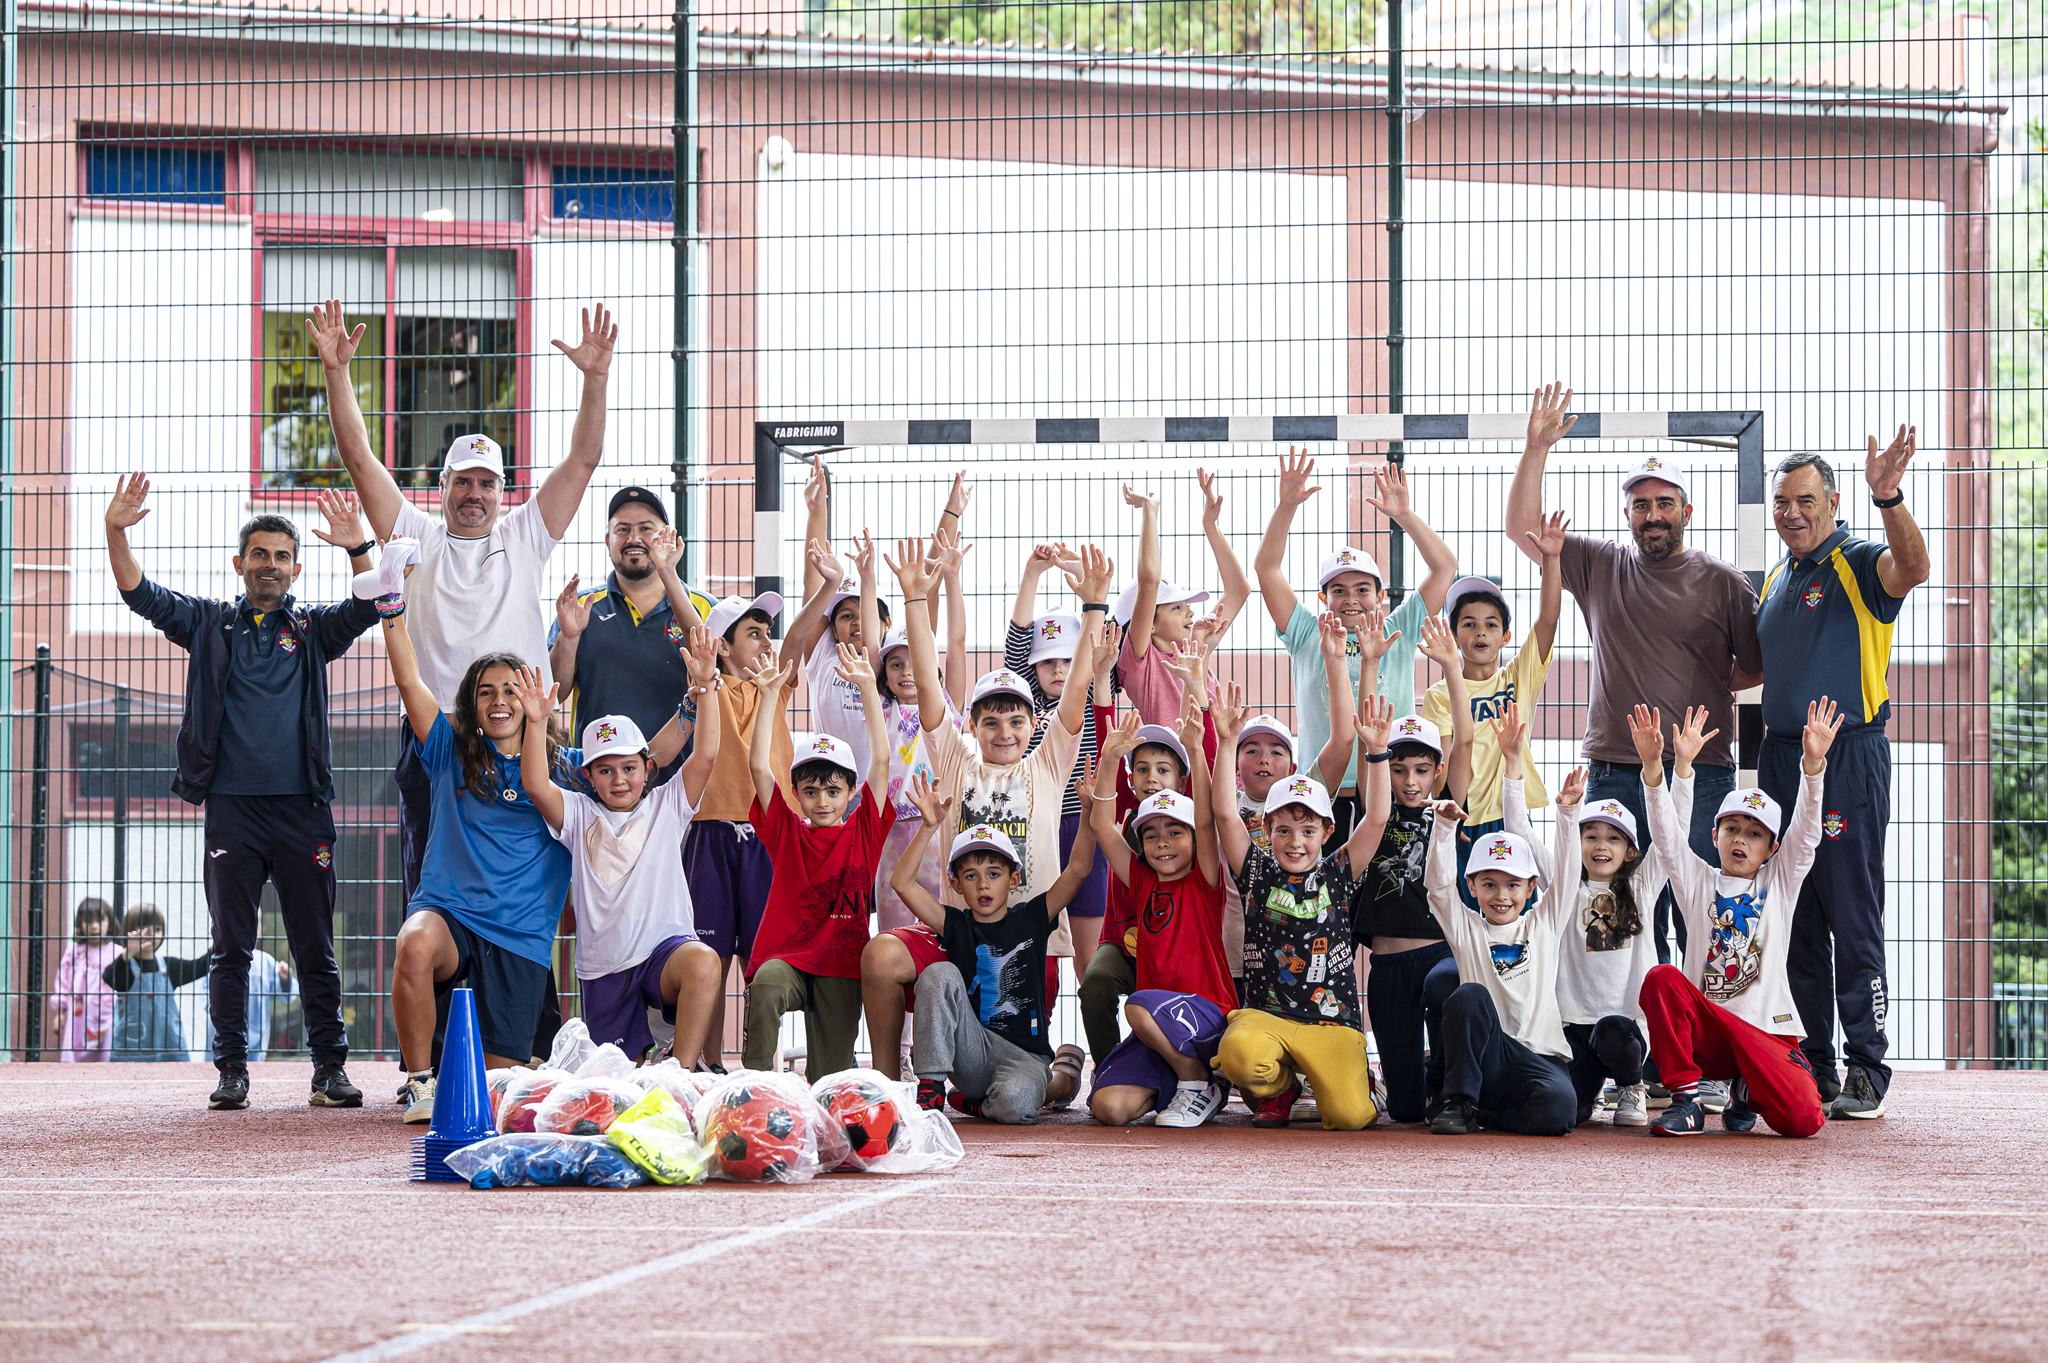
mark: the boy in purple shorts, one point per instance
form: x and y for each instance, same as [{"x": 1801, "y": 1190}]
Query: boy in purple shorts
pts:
[{"x": 636, "y": 940}]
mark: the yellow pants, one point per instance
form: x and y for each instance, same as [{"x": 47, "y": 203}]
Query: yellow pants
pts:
[{"x": 1260, "y": 1054}]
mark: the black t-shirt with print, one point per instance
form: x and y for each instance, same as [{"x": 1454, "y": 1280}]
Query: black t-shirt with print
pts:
[
  {"x": 1391, "y": 901},
  {"x": 1004, "y": 965},
  {"x": 1297, "y": 940}
]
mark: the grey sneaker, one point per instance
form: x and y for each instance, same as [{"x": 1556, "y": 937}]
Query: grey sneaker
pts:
[
  {"x": 1631, "y": 1106},
  {"x": 1859, "y": 1097},
  {"x": 419, "y": 1099},
  {"x": 1713, "y": 1095}
]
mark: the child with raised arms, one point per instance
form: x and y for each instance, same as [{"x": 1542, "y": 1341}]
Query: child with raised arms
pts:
[
  {"x": 1300, "y": 1012},
  {"x": 1730, "y": 1014},
  {"x": 1158, "y": 618}
]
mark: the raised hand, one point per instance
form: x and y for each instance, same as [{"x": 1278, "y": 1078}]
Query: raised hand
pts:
[
  {"x": 1823, "y": 722},
  {"x": 1574, "y": 788},
  {"x": 931, "y": 810},
  {"x": 817, "y": 485},
  {"x": 1644, "y": 727},
  {"x": 1089, "y": 578},
  {"x": 1109, "y": 641},
  {"x": 1189, "y": 664},
  {"x": 769, "y": 679},
  {"x": 1438, "y": 643},
  {"x": 949, "y": 553},
  {"x": 1212, "y": 500},
  {"x": 1295, "y": 471},
  {"x": 700, "y": 660},
  {"x": 826, "y": 563},
  {"x": 127, "y": 508},
  {"x": 572, "y": 614},
  {"x": 1391, "y": 485},
  {"x": 1191, "y": 721},
  {"x": 1548, "y": 423},
  {"x": 1132, "y": 497},
  {"x": 1448, "y": 809},
  {"x": 1375, "y": 722},
  {"x": 526, "y": 689},
  {"x": 1687, "y": 742},
  {"x": 1510, "y": 730},
  {"x": 1120, "y": 740},
  {"x": 593, "y": 354},
  {"x": 1084, "y": 779},
  {"x": 1331, "y": 634},
  {"x": 665, "y": 547},
  {"x": 961, "y": 494},
  {"x": 1042, "y": 559},
  {"x": 1373, "y": 639},
  {"x": 914, "y": 574},
  {"x": 1883, "y": 471},
  {"x": 344, "y": 521},
  {"x": 854, "y": 667},
  {"x": 864, "y": 555},
  {"x": 1549, "y": 541},
  {"x": 332, "y": 339},
  {"x": 1228, "y": 714},
  {"x": 1207, "y": 632}
]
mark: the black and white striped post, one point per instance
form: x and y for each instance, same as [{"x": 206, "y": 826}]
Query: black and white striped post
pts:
[{"x": 1740, "y": 431}]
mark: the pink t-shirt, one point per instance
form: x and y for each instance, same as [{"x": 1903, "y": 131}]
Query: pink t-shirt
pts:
[{"x": 1154, "y": 688}]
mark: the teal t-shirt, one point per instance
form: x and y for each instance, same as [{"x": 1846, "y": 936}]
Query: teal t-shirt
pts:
[{"x": 1312, "y": 690}]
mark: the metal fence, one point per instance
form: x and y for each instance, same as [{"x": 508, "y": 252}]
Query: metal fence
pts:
[{"x": 1201, "y": 209}]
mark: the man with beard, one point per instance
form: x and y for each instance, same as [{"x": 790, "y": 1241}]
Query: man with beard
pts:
[
  {"x": 1672, "y": 627},
  {"x": 254, "y": 750},
  {"x": 618, "y": 650}
]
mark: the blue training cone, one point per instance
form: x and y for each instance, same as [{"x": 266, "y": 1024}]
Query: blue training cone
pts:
[{"x": 462, "y": 1102}]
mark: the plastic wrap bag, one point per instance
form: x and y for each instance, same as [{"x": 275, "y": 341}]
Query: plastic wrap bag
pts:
[
  {"x": 572, "y": 1046},
  {"x": 544, "y": 1161},
  {"x": 886, "y": 1131},
  {"x": 584, "y": 1107},
  {"x": 497, "y": 1081},
  {"x": 685, "y": 1086},
  {"x": 606, "y": 1062},
  {"x": 655, "y": 1134},
  {"x": 523, "y": 1096},
  {"x": 767, "y": 1128}
]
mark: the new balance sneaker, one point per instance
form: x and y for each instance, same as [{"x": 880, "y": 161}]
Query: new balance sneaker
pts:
[
  {"x": 1858, "y": 1098},
  {"x": 331, "y": 1088},
  {"x": 231, "y": 1094},
  {"x": 931, "y": 1095},
  {"x": 1829, "y": 1085},
  {"x": 1659, "y": 1097},
  {"x": 1685, "y": 1117},
  {"x": 1713, "y": 1094},
  {"x": 1632, "y": 1105},
  {"x": 1738, "y": 1115},
  {"x": 1279, "y": 1109},
  {"x": 419, "y": 1098},
  {"x": 1194, "y": 1102},
  {"x": 1458, "y": 1117}
]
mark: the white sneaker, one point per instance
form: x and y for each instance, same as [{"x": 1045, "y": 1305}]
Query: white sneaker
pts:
[
  {"x": 1195, "y": 1101},
  {"x": 1632, "y": 1105},
  {"x": 419, "y": 1099},
  {"x": 1610, "y": 1094}
]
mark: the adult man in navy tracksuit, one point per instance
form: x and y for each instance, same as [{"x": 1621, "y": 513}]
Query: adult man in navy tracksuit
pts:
[
  {"x": 253, "y": 748},
  {"x": 1825, "y": 623}
]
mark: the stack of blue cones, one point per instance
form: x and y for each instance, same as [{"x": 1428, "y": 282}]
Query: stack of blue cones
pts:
[{"x": 462, "y": 1103}]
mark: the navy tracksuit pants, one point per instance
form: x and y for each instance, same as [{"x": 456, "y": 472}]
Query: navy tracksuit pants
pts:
[{"x": 1835, "y": 961}]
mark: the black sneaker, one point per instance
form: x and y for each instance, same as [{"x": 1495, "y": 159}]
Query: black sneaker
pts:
[
  {"x": 1828, "y": 1085},
  {"x": 710, "y": 1067},
  {"x": 231, "y": 1094},
  {"x": 1431, "y": 1106},
  {"x": 1458, "y": 1117},
  {"x": 331, "y": 1088},
  {"x": 1858, "y": 1098},
  {"x": 931, "y": 1095},
  {"x": 1738, "y": 1115},
  {"x": 1685, "y": 1117}
]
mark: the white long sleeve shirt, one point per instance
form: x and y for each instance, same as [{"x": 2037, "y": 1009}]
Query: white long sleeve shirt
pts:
[
  {"x": 1515, "y": 962},
  {"x": 1737, "y": 931},
  {"x": 1599, "y": 973}
]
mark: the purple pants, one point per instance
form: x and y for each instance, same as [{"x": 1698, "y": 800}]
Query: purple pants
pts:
[
  {"x": 1192, "y": 1024},
  {"x": 615, "y": 1005},
  {"x": 728, "y": 871},
  {"x": 1092, "y": 898}
]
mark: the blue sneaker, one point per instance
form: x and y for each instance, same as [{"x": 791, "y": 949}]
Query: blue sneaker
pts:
[
  {"x": 1738, "y": 1115},
  {"x": 1685, "y": 1117}
]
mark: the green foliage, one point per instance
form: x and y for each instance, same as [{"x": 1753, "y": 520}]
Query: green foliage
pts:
[
  {"x": 1210, "y": 26},
  {"x": 1817, "y": 31}
]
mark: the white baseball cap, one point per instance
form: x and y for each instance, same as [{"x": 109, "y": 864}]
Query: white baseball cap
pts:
[
  {"x": 892, "y": 641},
  {"x": 1167, "y": 804},
  {"x": 1055, "y": 636},
  {"x": 1266, "y": 724},
  {"x": 1612, "y": 812},
  {"x": 726, "y": 613},
  {"x": 983, "y": 838},
  {"x": 1756, "y": 805},
  {"x": 388, "y": 577},
  {"x": 1508, "y": 852},
  {"x": 1658, "y": 467},
  {"x": 1348, "y": 560},
  {"x": 1164, "y": 737},
  {"x": 1299, "y": 790},
  {"x": 1416, "y": 729},
  {"x": 1471, "y": 586},
  {"x": 475, "y": 452},
  {"x": 849, "y": 589},
  {"x": 1169, "y": 595},
  {"x": 1001, "y": 682},
  {"x": 608, "y": 734},
  {"x": 823, "y": 748}
]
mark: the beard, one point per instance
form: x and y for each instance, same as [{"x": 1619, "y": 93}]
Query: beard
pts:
[
  {"x": 1673, "y": 541},
  {"x": 262, "y": 592},
  {"x": 634, "y": 572}
]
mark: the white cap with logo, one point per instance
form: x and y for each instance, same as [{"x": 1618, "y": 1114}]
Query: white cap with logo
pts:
[
  {"x": 1658, "y": 467},
  {"x": 849, "y": 590},
  {"x": 1001, "y": 682},
  {"x": 1164, "y": 737},
  {"x": 1272, "y": 728},
  {"x": 475, "y": 452},
  {"x": 983, "y": 838},
  {"x": 1169, "y": 595},
  {"x": 726, "y": 613},
  {"x": 1416, "y": 729},
  {"x": 1612, "y": 812},
  {"x": 1167, "y": 804},
  {"x": 1505, "y": 852},
  {"x": 1055, "y": 636},
  {"x": 1348, "y": 560},
  {"x": 609, "y": 734},
  {"x": 1756, "y": 805},
  {"x": 823, "y": 748},
  {"x": 1470, "y": 586},
  {"x": 1299, "y": 790}
]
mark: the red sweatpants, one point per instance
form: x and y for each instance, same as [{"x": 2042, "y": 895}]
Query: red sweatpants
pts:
[{"x": 1693, "y": 1039}]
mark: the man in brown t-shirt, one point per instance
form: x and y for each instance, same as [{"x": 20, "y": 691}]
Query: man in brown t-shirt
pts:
[{"x": 1671, "y": 627}]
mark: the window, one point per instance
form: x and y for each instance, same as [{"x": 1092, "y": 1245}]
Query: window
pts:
[
  {"x": 296, "y": 444},
  {"x": 176, "y": 175},
  {"x": 639, "y": 194},
  {"x": 151, "y": 761},
  {"x": 456, "y": 338}
]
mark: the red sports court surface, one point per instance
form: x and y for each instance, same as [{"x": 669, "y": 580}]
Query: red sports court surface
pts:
[{"x": 139, "y": 1226}]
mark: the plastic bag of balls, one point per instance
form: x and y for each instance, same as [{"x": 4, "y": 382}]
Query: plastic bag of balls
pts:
[
  {"x": 767, "y": 1128},
  {"x": 655, "y": 1134},
  {"x": 546, "y": 1161},
  {"x": 685, "y": 1086},
  {"x": 523, "y": 1097},
  {"x": 886, "y": 1131},
  {"x": 607, "y": 1062},
  {"x": 497, "y": 1081},
  {"x": 572, "y": 1046},
  {"x": 584, "y": 1107}
]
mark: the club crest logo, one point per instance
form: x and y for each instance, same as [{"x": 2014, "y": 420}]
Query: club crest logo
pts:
[
  {"x": 675, "y": 630},
  {"x": 1652, "y": 464},
  {"x": 1754, "y": 800},
  {"x": 1347, "y": 557},
  {"x": 1297, "y": 786},
  {"x": 1832, "y": 823},
  {"x": 982, "y": 830},
  {"x": 822, "y": 744},
  {"x": 323, "y": 855},
  {"x": 1048, "y": 630},
  {"x": 479, "y": 445},
  {"x": 288, "y": 641},
  {"x": 607, "y": 732},
  {"x": 1813, "y": 597},
  {"x": 1500, "y": 849},
  {"x": 1409, "y": 728}
]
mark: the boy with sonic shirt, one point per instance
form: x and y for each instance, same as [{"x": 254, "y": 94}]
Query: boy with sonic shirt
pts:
[
  {"x": 981, "y": 1009},
  {"x": 1730, "y": 1013},
  {"x": 807, "y": 953},
  {"x": 1503, "y": 1047},
  {"x": 1300, "y": 1009}
]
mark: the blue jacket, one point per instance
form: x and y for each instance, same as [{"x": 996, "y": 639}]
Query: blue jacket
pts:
[{"x": 205, "y": 630}]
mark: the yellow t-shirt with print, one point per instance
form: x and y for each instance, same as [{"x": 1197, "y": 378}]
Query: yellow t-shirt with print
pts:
[{"x": 1521, "y": 681}]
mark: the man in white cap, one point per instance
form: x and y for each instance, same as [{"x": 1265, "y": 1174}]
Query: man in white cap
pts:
[
  {"x": 1349, "y": 585},
  {"x": 477, "y": 589}
]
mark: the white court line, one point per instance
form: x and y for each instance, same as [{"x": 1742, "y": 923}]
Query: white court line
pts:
[
  {"x": 639, "y": 1228},
  {"x": 938, "y": 1341},
  {"x": 1625, "y": 1208},
  {"x": 708, "y": 1334},
  {"x": 1386, "y": 1351},
  {"x": 1158, "y": 1346},
  {"x": 409, "y": 1343},
  {"x": 1628, "y": 1358}
]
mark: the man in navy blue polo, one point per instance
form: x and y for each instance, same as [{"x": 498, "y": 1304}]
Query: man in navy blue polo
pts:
[
  {"x": 254, "y": 748},
  {"x": 618, "y": 650},
  {"x": 1825, "y": 624}
]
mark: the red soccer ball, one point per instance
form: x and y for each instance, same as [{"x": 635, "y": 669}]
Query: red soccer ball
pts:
[
  {"x": 872, "y": 1120},
  {"x": 758, "y": 1134},
  {"x": 515, "y": 1114}
]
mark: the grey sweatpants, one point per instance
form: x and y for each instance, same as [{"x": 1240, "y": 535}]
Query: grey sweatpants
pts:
[{"x": 950, "y": 1043}]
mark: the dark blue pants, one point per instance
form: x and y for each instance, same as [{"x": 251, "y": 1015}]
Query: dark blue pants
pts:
[
  {"x": 1612, "y": 1048},
  {"x": 1623, "y": 781},
  {"x": 1835, "y": 960},
  {"x": 1395, "y": 994},
  {"x": 1515, "y": 1088},
  {"x": 287, "y": 840}
]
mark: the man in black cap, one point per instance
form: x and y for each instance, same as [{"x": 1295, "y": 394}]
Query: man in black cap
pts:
[{"x": 616, "y": 651}]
